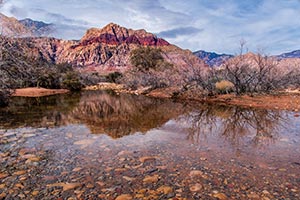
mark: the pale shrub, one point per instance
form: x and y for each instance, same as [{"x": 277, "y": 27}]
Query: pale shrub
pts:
[{"x": 224, "y": 86}]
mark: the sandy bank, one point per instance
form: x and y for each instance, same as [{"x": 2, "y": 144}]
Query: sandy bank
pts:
[
  {"x": 283, "y": 101},
  {"x": 37, "y": 92}
]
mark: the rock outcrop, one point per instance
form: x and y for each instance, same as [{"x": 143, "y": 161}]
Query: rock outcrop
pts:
[
  {"x": 103, "y": 50},
  {"x": 100, "y": 49}
]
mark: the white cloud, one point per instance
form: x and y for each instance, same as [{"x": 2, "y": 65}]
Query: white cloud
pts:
[{"x": 271, "y": 24}]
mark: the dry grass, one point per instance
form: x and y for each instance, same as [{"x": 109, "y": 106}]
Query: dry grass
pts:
[
  {"x": 37, "y": 92},
  {"x": 224, "y": 86}
]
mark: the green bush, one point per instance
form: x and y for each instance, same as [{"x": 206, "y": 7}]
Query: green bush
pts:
[
  {"x": 145, "y": 58},
  {"x": 4, "y": 97},
  {"x": 113, "y": 77},
  {"x": 71, "y": 82}
]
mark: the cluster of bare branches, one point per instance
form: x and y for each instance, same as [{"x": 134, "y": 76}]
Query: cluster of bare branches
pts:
[
  {"x": 235, "y": 123},
  {"x": 245, "y": 73},
  {"x": 258, "y": 73},
  {"x": 17, "y": 70}
]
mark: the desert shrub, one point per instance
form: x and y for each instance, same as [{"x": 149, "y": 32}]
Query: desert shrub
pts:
[
  {"x": 113, "y": 77},
  {"x": 224, "y": 87},
  {"x": 49, "y": 79},
  {"x": 145, "y": 58},
  {"x": 71, "y": 81},
  {"x": 4, "y": 97},
  {"x": 149, "y": 69},
  {"x": 91, "y": 78}
]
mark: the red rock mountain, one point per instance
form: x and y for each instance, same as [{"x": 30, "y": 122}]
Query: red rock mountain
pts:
[
  {"x": 113, "y": 34},
  {"x": 104, "y": 50}
]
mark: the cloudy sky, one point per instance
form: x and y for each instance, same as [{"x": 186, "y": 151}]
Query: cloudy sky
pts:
[{"x": 211, "y": 25}]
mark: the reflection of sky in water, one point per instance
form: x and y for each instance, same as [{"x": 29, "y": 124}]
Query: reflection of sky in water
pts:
[{"x": 238, "y": 145}]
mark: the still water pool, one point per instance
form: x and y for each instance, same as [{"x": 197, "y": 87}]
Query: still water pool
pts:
[{"x": 98, "y": 145}]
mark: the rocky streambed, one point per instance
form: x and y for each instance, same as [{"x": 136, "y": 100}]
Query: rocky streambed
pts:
[{"x": 107, "y": 146}]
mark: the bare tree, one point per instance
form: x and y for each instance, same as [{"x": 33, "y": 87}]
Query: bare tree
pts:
[{"x": 255, "y": 73}]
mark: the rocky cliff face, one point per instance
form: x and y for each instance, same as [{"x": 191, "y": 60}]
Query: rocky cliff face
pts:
[
  {"x": 100, "y": 49},
  {"x": 104, "y": 50},
  {"x": 113, "y": 34}
]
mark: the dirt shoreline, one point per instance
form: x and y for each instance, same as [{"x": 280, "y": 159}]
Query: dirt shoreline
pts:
[
  {"x": 37, "y": 92},
  {"x": 282, "y": 101}
]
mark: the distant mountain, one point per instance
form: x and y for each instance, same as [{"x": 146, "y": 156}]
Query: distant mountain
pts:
[
  {"x": 11, "y": 27},
  {"x": 293, "y": 54},
  {"x": 38, "y": 28},
  {"x": 212, "y": 58}
]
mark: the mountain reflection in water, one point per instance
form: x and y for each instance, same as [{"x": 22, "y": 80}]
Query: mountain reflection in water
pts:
[
  {"x": 98, "y": 145},
  {"x": 121, "y": 115}
]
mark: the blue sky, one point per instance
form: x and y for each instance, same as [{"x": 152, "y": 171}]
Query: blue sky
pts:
[{"x": 211, "y": 25}]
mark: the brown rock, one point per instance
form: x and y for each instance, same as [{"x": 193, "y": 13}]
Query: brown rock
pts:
[
  {"x": 20, "y": 172},
  {"x": 77, "y": 169},
  {"x": 147, "y": 158},
  {"x": 35, "y": 193},
  {"x": 124, "y": 197},
  {"x": 101, "y": 184},
  {"x": 3, "y": 175},
  {"x": 196, "y": 173},
  {"x": 19, "y": 185},
  {"x": 220, "y": 196},
  {"x": 195, "y": 188},
  {"x": 2, "y": 195},
  {"x": 151, "y": 179},
  {"x": 128, "y": 178},
  {"x": 253, "y": 196},
  {"x": 165, "y": 189},
  {"x": 66, "y": 186}
]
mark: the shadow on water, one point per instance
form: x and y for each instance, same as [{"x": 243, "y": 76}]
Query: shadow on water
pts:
[{"x": 121, "y": 115}]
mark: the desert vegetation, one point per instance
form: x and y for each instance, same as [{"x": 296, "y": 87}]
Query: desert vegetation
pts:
[
  {"x": 149, "y": 69},
  {"x": 258, "y": 73},
  {"x": 246, "y": 73},
  {"x": 19, "y": 71}
]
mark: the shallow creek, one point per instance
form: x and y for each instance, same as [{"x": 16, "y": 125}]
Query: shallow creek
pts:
[{"x": 98, "y": 145}]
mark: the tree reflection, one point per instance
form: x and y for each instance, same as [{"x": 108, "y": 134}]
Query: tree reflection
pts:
[
  {"x": 120, "y": 115},
  {"x": 102, "y": 112},
  {"x": 235, "y": 123},
  {"x": 37, "y": 112}
]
